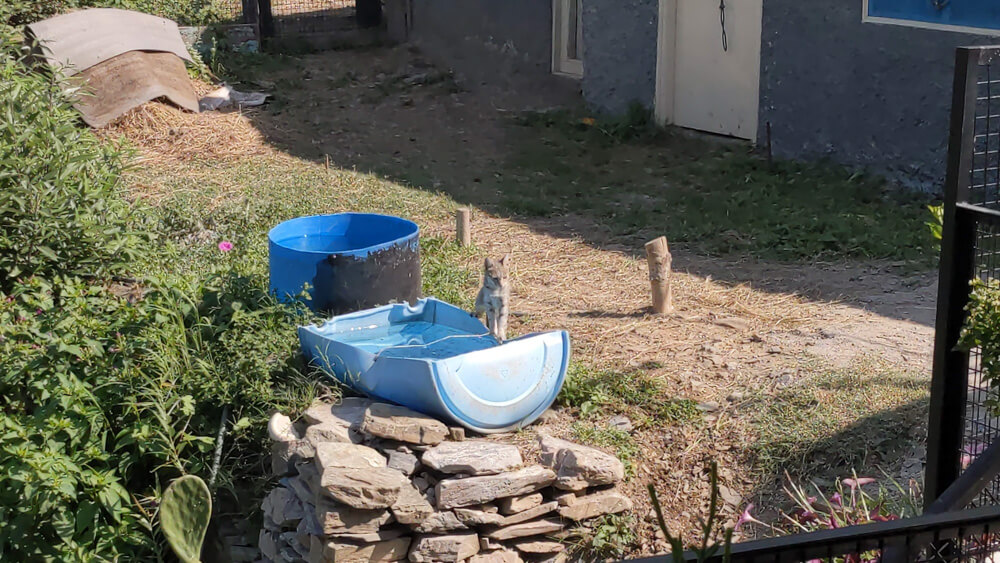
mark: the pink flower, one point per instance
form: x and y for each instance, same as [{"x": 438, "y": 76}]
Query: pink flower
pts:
[
  {"x": 859, "y": 482},
  {"x": 746, "y": 517},
  {"x": 835, "y": 499},
  {"x": 225, "y": 246},
  {"x": 971, "y": 453},
  {"x": 805, "y": 516}
]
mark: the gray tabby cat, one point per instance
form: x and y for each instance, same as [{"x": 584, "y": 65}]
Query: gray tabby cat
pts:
[{"x": 494, "y": 297}]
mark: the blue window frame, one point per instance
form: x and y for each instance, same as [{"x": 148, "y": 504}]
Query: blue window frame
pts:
[{"x": 974, "y": 14}]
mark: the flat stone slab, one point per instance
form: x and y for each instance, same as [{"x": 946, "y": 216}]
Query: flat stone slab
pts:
[
  {"x": 592, "y": 506},
  {"x": 530, "y": 514},
  {"x": 366, "y": 488},
  {"x": 441, "y": 522},
  {"x": 383, "y": 534},
  {"x": 339, "y": 519},
  {"x": 527, "y": 529},
  {"x": 567, "y": 498},
  {"x": 349, "y": 412},
  {"x": 473, "y": 457},
  {"x": 513, "y": 505},
  {"x": 539, "y": 547},
  {"x": 302, "y": 488},
  {"x": 402, "y": 424},
  {"x": 333, "y": 455},
  {"x": 445, "y": 549},
  {"x": 309, "y": 525},
  {"x": 457, "y": 493},
  {"x": 331, "y": 432},
  {"x": 578, "y": 467},
  {"x": 472, "y": 517},
  {"x": 283, "y": 507},
  {"x": 284, "y": 455},
  {"x": 499, "y": 556},
  {"x": 405, "y": 463},
  {"x": 411, "y": 507},
  {"x": 351, "y": 552}
]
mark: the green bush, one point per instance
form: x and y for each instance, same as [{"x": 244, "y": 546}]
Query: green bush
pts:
[
  {"x": 104, "y": 401},
  {"x": 62, "y": 495},
  {"x": 111, "y": 387},
  {"x": 982, "y": 330},
  {"x": 60, "y": 212},
  {"x": 184, "y": 12}
]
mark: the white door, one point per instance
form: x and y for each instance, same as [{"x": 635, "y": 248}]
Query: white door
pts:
[{"x": 708, "y": 65}]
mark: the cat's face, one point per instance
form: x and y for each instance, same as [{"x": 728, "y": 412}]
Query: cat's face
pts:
[{"x": 495, "y": 272}]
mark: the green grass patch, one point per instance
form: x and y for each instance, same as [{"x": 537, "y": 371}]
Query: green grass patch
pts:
[
  {"x": 594, "y": 391},
  {"x": 606, "y": 538},
  {"x": 621, "y": 442},
  {"x": 443, "y": 274},
  {"x": 850, "y": 418},
  {"x": 634, "y": 179}
]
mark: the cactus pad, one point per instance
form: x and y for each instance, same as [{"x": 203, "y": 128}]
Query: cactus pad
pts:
[{"x": 184, "y": 514}]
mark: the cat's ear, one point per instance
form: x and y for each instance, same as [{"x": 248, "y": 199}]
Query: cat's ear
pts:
[
  {"x": 486, "y": 264},
  {"x": 505, "y": 260}
]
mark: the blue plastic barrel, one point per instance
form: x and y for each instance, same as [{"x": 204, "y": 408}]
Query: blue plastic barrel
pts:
[{"x": 350, "y": 261}]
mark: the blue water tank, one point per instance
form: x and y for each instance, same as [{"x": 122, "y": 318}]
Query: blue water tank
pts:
[{"x": 350, "y": 261}]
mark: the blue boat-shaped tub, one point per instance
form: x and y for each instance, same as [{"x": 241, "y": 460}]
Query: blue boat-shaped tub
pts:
[{"x": 438, "y": 359}]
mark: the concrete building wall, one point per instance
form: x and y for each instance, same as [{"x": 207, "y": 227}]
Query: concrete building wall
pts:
[
  {"x": 619, "y": 65},
  {"x": 862, "y": 94},
  {"x": 506, "y": 43}
]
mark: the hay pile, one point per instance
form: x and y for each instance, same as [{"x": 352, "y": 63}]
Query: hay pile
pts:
[{"x": 164, "y": 133}]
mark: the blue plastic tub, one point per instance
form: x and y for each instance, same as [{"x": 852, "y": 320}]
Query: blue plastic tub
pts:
[
  {"x": 438, "y": 359},
  {"x": 350, "y": 261}
]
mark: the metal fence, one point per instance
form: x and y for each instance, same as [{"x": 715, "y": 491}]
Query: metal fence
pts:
[
  {"x": 290, "y": 18},
  {"x": 953, "y": 537},
  {"x": 294, "y": 18},
  {"x": 284, "y": 18},
  {"x": 234, "y": 11},
  {"x": 961, "y": 425}
]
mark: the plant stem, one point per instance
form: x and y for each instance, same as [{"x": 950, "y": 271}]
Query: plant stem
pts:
[{"x": 219, "y": 440}]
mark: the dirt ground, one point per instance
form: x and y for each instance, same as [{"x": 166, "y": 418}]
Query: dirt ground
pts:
[{"x": 746, "y": 335}]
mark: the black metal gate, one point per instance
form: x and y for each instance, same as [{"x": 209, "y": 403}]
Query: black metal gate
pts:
[
  {"x": 961, "y": 426},
  {"x": 310, "y": 18}
]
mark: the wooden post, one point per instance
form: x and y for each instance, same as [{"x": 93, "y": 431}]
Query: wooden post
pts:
[
  {"x": 463, "y": 226},
  {"x": 658, "y": 257}
]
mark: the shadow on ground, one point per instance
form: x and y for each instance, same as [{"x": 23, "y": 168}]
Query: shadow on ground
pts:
[
  {"x": 887, "y": 446},
  {"x": 615, "y": 183}
]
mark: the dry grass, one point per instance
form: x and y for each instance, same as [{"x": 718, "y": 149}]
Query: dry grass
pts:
[
  {"x": 603, "y": 294},
  {"x": 570, "y": 272},
  {"x": 164, "y": 134}
]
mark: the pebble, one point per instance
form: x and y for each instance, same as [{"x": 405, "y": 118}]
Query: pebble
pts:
[{"x": 621, "y": 422}]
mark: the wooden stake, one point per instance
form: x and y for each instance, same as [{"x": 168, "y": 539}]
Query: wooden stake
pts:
[
  {"x": 463, "y": 226},
  {"x": 658, "y": 257},
  {"x": 327, "y": 161}
]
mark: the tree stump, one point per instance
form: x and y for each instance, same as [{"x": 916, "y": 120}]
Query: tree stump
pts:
[
  {"x": 659, "y": 259},
  {"x": 463, "y": 226}
]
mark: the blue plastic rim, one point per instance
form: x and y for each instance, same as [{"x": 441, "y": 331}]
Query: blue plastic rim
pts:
[
  {"x": 356, "y": 234},
  {"x": 439, "y": 360},
  {"x": 351, "y": 261}
]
